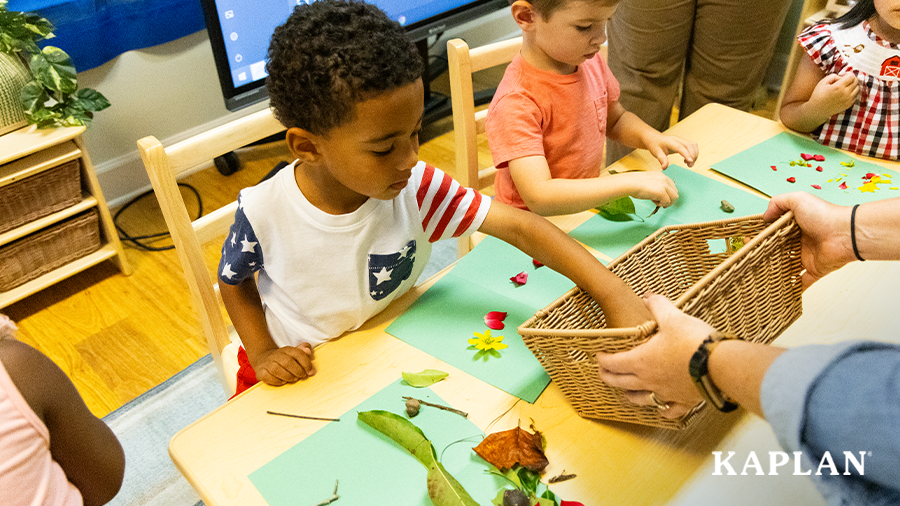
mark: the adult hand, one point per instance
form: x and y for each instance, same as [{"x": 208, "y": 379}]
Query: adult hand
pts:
[
  {"x": 652, "y": 185},
  {"x": 825, "y": 241},
  {"x": 660, "y": 365},
  {"x": 284, "y": 365}
]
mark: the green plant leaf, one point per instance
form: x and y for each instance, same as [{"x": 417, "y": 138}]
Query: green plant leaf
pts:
[
  {"x": 618, "y": 210},
  {"x": 444, "y": 490},
  {"x": 529, "y": 480},
  {"x": 53, "y": 68},
  {"x": 403, "y": 432},
  {"x": 91, "y": 99},
  {"x": 425, "y": 378},
  {"x": 33, "y": 96}
]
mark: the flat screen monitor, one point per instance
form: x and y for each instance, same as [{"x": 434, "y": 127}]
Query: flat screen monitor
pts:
[{"x": 240, "y": 30}]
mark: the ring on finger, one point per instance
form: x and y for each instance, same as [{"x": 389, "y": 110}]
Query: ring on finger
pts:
[{"x": 660, "y": 405}]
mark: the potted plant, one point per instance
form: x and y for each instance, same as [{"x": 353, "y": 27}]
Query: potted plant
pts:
[{"x": 50, "y": 97}]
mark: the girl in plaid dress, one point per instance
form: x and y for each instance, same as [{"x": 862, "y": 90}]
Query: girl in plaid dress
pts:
[{"x": 847, "y": 94}]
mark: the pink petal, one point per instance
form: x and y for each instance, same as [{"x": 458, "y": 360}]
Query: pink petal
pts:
[
  {"x": 536, "y": 263},
  {"x": 819, "y": 168},
  {"x": 520, "y": 278},
  {"x": 819, "y": 158},
  {"x": 806, "y": 156},
  {"x": 843, "y": 186},
  {"x": 817, "y": 187}
]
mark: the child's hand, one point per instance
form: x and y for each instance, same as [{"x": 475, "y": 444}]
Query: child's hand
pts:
[
  {"x": 661, "y": 145},
  {"x": 652, "y": 185},
  {"x": 835, "y": 93},
  {"x": 288, "y": 364}
]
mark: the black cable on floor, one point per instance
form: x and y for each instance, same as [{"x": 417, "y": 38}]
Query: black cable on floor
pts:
[{"x": 136, "y": 240}]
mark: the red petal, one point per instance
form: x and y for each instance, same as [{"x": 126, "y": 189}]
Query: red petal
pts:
[
  {"x": 496, "y": 315},
  {"x": 536, "y": 263},
  {"x": 806, "y": 156},
  {"x": 520, "y": 278},
  {"x": 791, "y": 180},
  {"x": 774, "y": 168},
  {"x": 493, "y": 323},
  {"x": 819, "y": 158},
  {"x": 843, "y": 186},
  {"x": 870, "y": 175},
  {"x": 570, "y": 503},
  {"x": 819, "y": 168},
  {"x": 817, "y": 187}
]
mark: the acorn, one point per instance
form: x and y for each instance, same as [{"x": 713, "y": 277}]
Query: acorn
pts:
[
  {"x": 515, "y": 497},
  {"x": 412, "y": 407}
]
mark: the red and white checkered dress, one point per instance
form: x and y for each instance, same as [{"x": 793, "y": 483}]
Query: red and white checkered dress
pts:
[{"x": 871, "y": 126}]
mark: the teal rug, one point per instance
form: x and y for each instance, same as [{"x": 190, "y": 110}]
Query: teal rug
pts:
[{"x": 145, "y": 425}]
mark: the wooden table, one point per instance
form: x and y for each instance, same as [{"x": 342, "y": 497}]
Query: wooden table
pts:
[{"x": 616, "y": 463}]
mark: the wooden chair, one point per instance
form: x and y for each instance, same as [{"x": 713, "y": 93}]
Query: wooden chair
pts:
[
  {"x": 468, "y": 124},
  {"x": 164, "y": 166}
]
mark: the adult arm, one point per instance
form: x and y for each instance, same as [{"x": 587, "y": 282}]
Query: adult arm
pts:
[
  {"x": 85, "y": 448},
  {"x": 543, "y": 241}
]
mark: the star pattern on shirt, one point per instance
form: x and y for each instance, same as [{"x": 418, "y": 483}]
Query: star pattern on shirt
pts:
[
  {"x": 227, "y": 272},
  {"x": 383, "y": 275},
  {"x": 248, "y": 246},
  {"x": 405, "y": 251}
]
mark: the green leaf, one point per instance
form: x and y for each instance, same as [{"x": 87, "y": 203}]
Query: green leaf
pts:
[
  {"x": 529, "y": 480},
  {"x": 91, "y": 99},
  {"x": 618, "y": 210},
  {"x": 425, "y": 378},
  {"x": 33, "y": 96},
  {"x": 53, "y": 68},
  {"x": 498, "y": 501},
  {"x": 444, "y": 490},
  {"x": 403, "y": 432}
]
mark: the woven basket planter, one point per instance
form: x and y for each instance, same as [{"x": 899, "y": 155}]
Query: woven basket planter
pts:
[
  {"x": 43, "y": 251},
  {"x": 754, "y": 292},
  {"x": 14, "y": 75},
  {"x": 39, "y": 195}
]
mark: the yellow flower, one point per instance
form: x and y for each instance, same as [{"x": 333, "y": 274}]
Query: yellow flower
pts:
[{"x": 487, "y": 342}]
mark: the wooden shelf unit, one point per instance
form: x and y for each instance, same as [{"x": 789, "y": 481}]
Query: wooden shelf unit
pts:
[{"x": 29, "y": 151}]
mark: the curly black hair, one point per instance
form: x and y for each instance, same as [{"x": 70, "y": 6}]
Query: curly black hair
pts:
[{"x": 332, "y": 54}]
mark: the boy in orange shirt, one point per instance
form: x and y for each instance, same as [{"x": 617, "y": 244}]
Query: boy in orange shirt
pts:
[{"x": 553, "y": 110}]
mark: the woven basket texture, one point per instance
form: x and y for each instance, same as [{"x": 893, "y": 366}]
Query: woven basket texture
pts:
[
  {"x": 39, "y": 195},
  {"x": 39, "y": 253},
  {"x": 754, "y": 292},
  {"x": 14, "y": 75}
]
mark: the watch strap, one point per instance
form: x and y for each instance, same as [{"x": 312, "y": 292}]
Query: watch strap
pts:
[{"x": 699, "y": 371}]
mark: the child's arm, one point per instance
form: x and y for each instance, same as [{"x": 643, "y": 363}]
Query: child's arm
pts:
[
  {"x": 813, "y": 97},
  {"x": 273, "y": 365},
  {"x": 548, "y": 196},
  {"x": 85, "y": 448},
  {"x": 626, "y": 128},
  {"x": 547, "y": 244}
]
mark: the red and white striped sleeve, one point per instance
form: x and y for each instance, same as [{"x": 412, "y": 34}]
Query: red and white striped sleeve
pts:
[{"x": 447, "y": 208}]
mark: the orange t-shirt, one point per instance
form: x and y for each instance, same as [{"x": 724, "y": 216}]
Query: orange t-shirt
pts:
[{"x": 559, "y": 117}]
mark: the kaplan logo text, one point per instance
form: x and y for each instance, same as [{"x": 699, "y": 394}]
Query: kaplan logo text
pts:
[{"x": 853, "y": 464}]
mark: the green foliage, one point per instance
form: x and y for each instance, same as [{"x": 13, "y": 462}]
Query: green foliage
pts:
[
  {"x": 444, "y": 490},
  {"x": 528, "y": 482},
  {"x": 619, "y": 210},
  {"x": 52, "y": 97},
  {"x": 425, "y": 378}
]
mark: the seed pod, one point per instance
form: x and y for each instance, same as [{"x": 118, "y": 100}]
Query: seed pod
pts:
[
  {"x": 412, "y": 407},
  {"x": 727, "y": 207},
  {"x": 515, "y": 497}
]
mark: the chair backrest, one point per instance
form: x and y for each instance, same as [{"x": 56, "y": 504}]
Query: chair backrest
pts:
[
  {"x": 468, "y": 124},
  {"x": 164, "y": 166}
]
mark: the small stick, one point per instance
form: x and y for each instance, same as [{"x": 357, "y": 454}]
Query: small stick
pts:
[
  {"x": 304, "y": 417},
  {"x": 334, "y": 497},
  {"x": 445, "y": 408},
  {"x": 562, "y": 477}
]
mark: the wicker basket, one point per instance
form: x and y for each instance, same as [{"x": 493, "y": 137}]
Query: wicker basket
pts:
[
  {"x": 39, "y": 195},
  {"x": 754, "y": 292},
  {"x": 41, "y": 252}
]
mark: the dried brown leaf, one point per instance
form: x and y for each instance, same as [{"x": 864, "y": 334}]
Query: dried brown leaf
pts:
[{"x": 515, "y": 446}]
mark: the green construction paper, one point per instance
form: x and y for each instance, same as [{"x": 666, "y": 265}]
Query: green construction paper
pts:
[
  {"x": 444, "y": 318},
  {"x": 370, "y": 468},
  {"x": 699, "y": 200},
  {"x": 753, "y": 167},
  {"x": 493, "y": 262}
]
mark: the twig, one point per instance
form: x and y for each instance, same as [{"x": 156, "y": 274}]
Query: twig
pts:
[
  {"x": 562, "y": 477},
  {"x": 304, "y": 417},
  {"x": 334, "y": 497},
  {"x": 445, "y": 408}
]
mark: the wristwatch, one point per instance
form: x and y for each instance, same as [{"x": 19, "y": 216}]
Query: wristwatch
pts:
[{"x": 699, "y": 369}]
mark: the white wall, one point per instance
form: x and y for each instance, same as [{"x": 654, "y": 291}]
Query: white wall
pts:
[{"x": 172, "y": 91}]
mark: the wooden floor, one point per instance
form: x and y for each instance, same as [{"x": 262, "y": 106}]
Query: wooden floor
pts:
[{"x": 118, "y": 336}]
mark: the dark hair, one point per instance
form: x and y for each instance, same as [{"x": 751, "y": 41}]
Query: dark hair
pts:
[
  {"x": 547, "y": 7},
  {"x": 332, "y": 54},
  {"x": 861, "y": 11}
]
